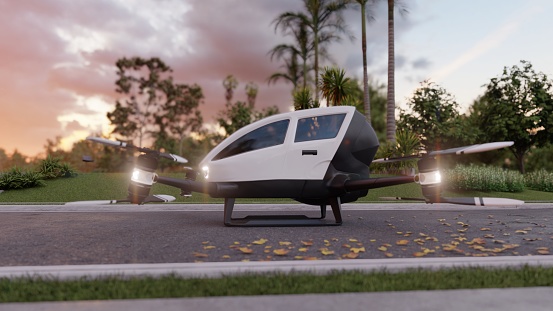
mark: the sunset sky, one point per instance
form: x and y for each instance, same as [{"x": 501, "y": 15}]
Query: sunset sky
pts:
[{"x": 57, "y": 73}]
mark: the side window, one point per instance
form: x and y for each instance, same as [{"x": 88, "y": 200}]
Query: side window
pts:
[
  {"x": 320, "y": 127},
  {"x": 266, "y": 136}
]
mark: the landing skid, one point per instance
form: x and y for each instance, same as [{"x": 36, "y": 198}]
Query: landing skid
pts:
[{"x": 283, "y": 220}]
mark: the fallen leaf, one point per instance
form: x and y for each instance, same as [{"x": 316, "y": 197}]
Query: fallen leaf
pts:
[
  {"x": 307, "y": 243},
  {"x": 200, "y": 255},
  {"x": 246, "y": 250},
  {"x": 225, "y": 257},
  {"x": 206, "y": 242},
  {"x": 280, "y": 252},
  {"x": 353, "y": 240},
  {"x": 485, "y": 229},
  {"x": 521, "y": 231},
  {"x": 389, "y": 255},
  {"x": 326, "y": 251},
  {"x": 419, "y": 254},
  {"x": 285, "y": 243},
  {"x": 260, "y": 241},
  {"x": 402, "y": 242},
  {"x": 357, "y": 250},
  {"x": 350, "y": 255},
  {"x": 209, "y": 247},
  {"x": 383, "y": 248}
]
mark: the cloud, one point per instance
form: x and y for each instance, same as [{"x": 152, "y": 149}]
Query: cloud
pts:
[{"x": 57, "y": 73}]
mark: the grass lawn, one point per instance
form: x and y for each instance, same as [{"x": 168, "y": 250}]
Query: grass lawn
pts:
[
  {"x": 27, "y": 290},
  {"x": 97, "y": 186}
]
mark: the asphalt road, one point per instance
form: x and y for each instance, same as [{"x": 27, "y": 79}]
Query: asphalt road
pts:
[{"x": 125, "y": 234}]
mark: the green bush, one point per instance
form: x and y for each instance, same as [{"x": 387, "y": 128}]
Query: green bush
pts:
[
  {"x": 540, "y": 180},
  {"x": 15, "y": 178},
  {"x": 52, "y": 168},
  {"x": 483, "y": 178}
]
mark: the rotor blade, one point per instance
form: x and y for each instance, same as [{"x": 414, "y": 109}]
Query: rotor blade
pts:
[
  {"x": 473, "y": 148},
  {"x": 402, "y": 199},
  {"x": 390, "y": 160},
  {"x": 161, "y": 198},
  {"x": 170, "y": 156},
  {"x": 96, "y": 202},
  {"x": 173, "y": 157},
  {"x": 479, "y": 201},
  {"x": 107, "y": 142}
]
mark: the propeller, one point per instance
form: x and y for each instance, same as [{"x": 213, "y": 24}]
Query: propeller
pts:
[
  {"x": 121, "y": 144},
  {"x": 157, "y": 198},
  {"x": 453, "y": 151},
  {"x": 476, "y": 201},
  {"x": 430, "y": 179}
]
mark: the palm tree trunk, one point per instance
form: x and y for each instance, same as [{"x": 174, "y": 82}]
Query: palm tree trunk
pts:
[
  {"x": 391, "y": 105},
  {"x": 366, "y": 98}
]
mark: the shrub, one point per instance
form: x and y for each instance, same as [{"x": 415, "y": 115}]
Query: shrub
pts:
[
  {"x": 540, "y": 180},
  {"x": 15, "y": 178},
  {"x": 51, "y": 168},
  {"x": 483, "y": 178}
]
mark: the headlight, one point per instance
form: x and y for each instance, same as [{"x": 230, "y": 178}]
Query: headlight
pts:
[
  {"x": 429, "y": 178},
  {"x": 205, "y": 170},
  {"x": 143, "y": 177}
]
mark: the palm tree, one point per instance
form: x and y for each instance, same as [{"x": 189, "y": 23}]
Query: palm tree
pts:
[
  {"x": 324, "y": 20},
  {"x": 391, "y": 101},
  {"x": 302, "y": 50},
  {"x": 334, "y": 86}
]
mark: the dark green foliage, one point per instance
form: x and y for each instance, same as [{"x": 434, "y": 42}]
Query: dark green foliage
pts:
[
  {"x": 483, "y": 178},
  {"x": 51, "y": 168},
  {"x": 517, "y": 106},
  {"x": 540, "y": 180},
  {"x": 434, "y": 116},
  {"x": 15, "y": 178}
]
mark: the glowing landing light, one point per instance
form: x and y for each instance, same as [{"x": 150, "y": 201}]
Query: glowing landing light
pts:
[
  {"x": 205, "y": 169},
  {"x": 430, "y": 178},
  {"x": 143, "y": 177}
]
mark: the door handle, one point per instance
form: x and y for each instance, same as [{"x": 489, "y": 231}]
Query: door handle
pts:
[{"x": 308, "y": 152}]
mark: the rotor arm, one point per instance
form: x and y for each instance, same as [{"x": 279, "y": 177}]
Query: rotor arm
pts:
[
  {"x": 372, "y": 183},
  {"x": 184, "y": 184}
]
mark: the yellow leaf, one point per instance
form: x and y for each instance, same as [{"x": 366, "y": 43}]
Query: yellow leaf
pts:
[
  {"x": 236, "y": 243},
  {"x": 302, "y": 249},
  {"x": 206, "y": 242},
  {"x": 521, "y": 231},
  {"x": 419, "y": 254},
  {"x": 286, "y": 243},
  {"x": 389, "y": 255},
  {"x": 357, "y": 250},
  {"x": 543, "y": 252},
  {"x": 200, "y": 255},
  {"x": 246, "y": 250},
  {"x": 346, "y": 245},
  {"x": 225, "y": 257},
  {"x": 307, "y": 243},
  {"x": 374, "y": 240},
  {"x": 298, "y": 257},
  {"x": 383, "y": 248},
  {"x": 350, "y": 255},
  {"x": 260, "y": 241},
  {"x": 402, "y": 242},
  {"x": 209, "y": 247},
  {"x": 310, "y": 258},
  {"x": 353, "y": 240},
  {"x": 326, "y": 251},
  {"x": 281, "y": 252},
  {"x": 485, "y": 229}
]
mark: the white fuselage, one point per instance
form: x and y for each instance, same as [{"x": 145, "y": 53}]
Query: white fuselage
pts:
[{"x": 296, "y": 145}]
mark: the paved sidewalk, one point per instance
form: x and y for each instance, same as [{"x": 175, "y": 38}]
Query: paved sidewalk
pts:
[{"x": 510, "y": 299}]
